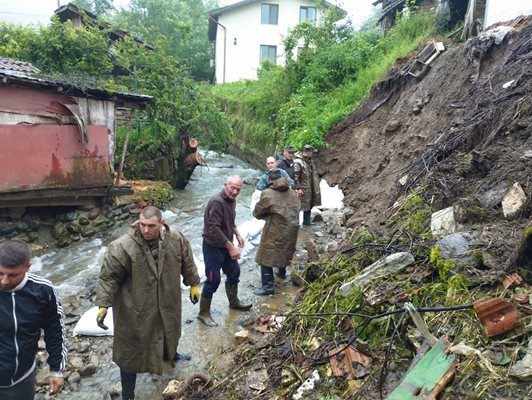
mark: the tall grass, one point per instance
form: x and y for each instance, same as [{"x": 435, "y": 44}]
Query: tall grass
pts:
[{"x": 299, "y": 103}]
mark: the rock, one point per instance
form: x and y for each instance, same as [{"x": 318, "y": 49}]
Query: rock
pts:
[
  {"x": 257, "y": 380},
  {"x": 171, "y": 390},
  {"x": 42, "y": 376},
  {"x": 83, "y": 221},
  {"x": 457, "y": 246},
  {"x": 94, "y": 213},
  {"x": 385, "y": 266},
  {"x": 87, "y": 231},
  {"x": 307, "y": 386},
  {"x": 63, "y": 241},
  {"x": 100, "y": 220},
  {"x": 443, "y": 222},
  {"x": 312, "y": 252},
  {"x": 76, "y": 362},
  {"x": 7, "y": 228},
  {"x": 242, "y": 336},
  {"x": 83, "y": 346},
  {"x": 522, "y": 369},
  {"x": 514, "y": 202},
  {"x": 392, "y": 126},
  {"x": 72, "y": 228},
  {"x": 87, "y": 370},
  {"x": 74, "y": 377},
  {"x": 331, "y": 247},
  {"x": 59, "y": 230},
  {"x": 68, "y": 217},
  {"x": 116, "y": 390}
]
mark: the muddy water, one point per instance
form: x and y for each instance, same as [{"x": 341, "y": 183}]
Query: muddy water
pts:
[{"x": 70, "y": 269}]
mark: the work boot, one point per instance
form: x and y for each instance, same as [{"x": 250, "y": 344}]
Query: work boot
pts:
[
  {"x": 266, "y": 274},
  {"x": 234, "y": 301},
  {"x": 281, "y": 273},
  {"x": 205, "y": 311},
  {"x": 306, "y": 218}
]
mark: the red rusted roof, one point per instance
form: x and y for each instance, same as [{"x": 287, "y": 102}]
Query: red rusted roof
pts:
[{"x": 8, "y": 64}]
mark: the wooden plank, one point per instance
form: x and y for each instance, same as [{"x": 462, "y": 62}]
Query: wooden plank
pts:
[{"x": 428, "y": 378}]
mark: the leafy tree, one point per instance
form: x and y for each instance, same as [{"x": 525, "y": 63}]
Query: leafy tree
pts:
[
  {"x": 184, "y": 24},
  {"x": 98, "y": 7}
]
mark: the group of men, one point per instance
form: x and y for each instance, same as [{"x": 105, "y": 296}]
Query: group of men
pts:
[{"x": 140, "y": 278}]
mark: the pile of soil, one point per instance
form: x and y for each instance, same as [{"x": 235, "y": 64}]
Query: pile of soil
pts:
[{"x": 459, "y": 136}]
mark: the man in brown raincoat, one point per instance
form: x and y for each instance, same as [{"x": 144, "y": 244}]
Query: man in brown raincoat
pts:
[
  {"x": 140, "y": 279},
  {"x": 279, "y": 206},
  {"x": 307, "y": 182}
]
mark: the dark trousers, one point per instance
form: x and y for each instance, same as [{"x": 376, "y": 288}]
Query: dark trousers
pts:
[
  {"x": 24, "y": 390},
  {"x": 216, "y": 259},
  {"x": 128, "y": 380}
]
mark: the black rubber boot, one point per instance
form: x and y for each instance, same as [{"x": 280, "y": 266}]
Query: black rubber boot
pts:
[
  {"x": 281, "y": 273},
  {"x": 205, "y": 311},
  {"x": 306, "y": 218},
  {"x": 234, "y": 301},
  {"x": 266, "y": 274},
  {"x": 128, "y": 380}
]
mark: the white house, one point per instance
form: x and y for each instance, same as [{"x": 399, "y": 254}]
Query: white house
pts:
[
  {"x": 252, "y": 31},
  {"x": 499, "y": 10}
]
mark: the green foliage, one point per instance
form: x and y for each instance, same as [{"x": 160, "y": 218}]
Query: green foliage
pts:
[
  {"x": 413, "y": 215},
  {"x": 444, "y": 267},
  {"x": 158, "y": 195},
  {"x": 333, "y": 72}
]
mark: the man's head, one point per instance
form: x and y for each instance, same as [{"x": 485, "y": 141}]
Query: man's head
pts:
[
  {"x": 308, "y": 151},
  {"x": 270, "y": 163},
  {"x": 288, "y": 152},
  {"x": 232, "y": 186},
  {"x": 14, "y": 263},
  {"x": 274, "y": 174},
  {"x": 150, "y": 223}
]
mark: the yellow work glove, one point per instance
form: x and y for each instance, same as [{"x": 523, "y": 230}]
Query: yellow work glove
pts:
[
  {"x": 194, "y": 294},
  {"x": 102, "y": 312}
]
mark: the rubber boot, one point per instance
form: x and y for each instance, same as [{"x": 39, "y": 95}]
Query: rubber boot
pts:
[
  {"x": 266, "y": 274},
  {"x": 234, "y": 301},
  {"x": 205, "y": 311},
  {"x": 128, "y": 380},
  {"x": 306, "y": 218},
  {"x": 281, "y": 273}
]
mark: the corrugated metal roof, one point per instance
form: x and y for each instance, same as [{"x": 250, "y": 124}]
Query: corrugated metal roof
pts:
[{"x": 17, "y": 66}]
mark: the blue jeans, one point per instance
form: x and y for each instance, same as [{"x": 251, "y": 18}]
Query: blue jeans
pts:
[{"x": 216, "y": 259}]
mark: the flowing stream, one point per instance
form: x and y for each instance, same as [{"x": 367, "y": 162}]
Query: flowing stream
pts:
[{"x": 72, "y": 268}]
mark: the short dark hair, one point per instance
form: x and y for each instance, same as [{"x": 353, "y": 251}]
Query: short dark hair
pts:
[
  {"x": 14, "y": 253},
  {"x": 152, "y": 211},
  {"x": 274, "y": 174}
]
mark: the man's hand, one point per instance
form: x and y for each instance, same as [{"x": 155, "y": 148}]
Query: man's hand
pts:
[
  {"x": 234, "y": 253},
  {"x": 194, "y": 294},
  {"x": 241, "y": 241},
  {"x": 102, "y": 312},
  {"x": 300, "y": 192},
  {"x": 56, "y": 384}
]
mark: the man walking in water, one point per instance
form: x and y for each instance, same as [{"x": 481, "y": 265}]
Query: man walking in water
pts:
[
  {"x": 140, "y": 278},
  {"x": 219, "y": 252}
]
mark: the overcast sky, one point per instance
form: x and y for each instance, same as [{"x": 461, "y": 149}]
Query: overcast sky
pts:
[{"x": 40, "y": 11}]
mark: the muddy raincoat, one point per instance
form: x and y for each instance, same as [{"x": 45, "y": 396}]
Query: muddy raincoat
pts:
[
  {"x": 146, "y": 298},
  {"x": 279, "y": 206},
  {"x": 308, "y": 181}
]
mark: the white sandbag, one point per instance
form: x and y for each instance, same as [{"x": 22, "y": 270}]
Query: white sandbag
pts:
[
  {"x": 255, "y": 197},
  {"x": 87, "y": 324},
  {"x": 331, "y": 196},
  {"x": 200, "y": 265}
]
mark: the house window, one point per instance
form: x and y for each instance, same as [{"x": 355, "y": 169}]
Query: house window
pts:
[
  {"x": 307, "y": 14},
  {"x": 268, "y": 53},
  {"x": 269, "y": 14}
]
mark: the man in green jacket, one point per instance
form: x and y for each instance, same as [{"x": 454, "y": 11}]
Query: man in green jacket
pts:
[
  {"x": 140, "y": 279},
  {"x": 307, "y": 182}
]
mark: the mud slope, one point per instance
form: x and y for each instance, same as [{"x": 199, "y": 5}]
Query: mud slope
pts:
[{"x": 462, "y": 134}]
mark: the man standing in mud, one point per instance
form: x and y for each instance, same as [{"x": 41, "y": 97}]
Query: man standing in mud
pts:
[
  {"x": 279, "y": 206},
  {"x": 140, "y": 278},
  {"x": 308, "y": 183},
  {"x": 28, "y": 303},
  {"x": 219, "y": 252}
]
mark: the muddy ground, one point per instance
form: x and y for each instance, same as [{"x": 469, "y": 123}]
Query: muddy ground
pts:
[{"x": 460, "y": 136}]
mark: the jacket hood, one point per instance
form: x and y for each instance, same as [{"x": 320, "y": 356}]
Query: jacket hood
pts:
[{"x": 281, "y": 185}]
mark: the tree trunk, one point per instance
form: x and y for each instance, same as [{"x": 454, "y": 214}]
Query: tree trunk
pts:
[
  {"x": 470, "y": 23},
  {"x": 187, "y": 160}
]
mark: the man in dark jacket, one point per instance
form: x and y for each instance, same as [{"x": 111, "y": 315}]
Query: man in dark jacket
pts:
[
  {"x": 308, "y": 183},
  {"x": 28, "y": 303},
  {"x": 263, "y": 180},
  {"x": 279, "y": 206},
  {"x": 285, "y": 161},
  {"x": 219, "y": 252},
  {"x": 141, "y": 277}
]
